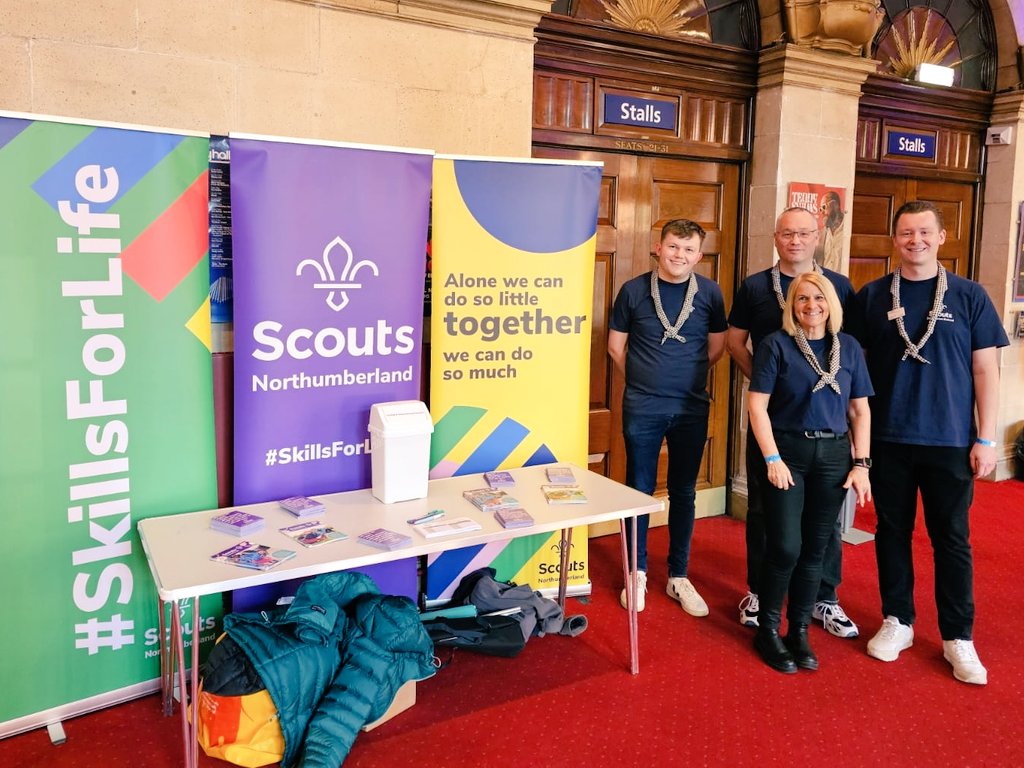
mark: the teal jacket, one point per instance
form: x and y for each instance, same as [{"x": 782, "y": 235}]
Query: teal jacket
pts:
[{"x": 332, "y": 661}]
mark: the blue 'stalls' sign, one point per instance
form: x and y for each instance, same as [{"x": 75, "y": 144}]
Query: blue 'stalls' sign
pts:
[
  {"x": 911, "y": 144},
  {"x": 636, "y": 110}
]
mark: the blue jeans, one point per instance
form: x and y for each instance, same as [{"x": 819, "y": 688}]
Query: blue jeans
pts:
[
  {"x": 943, "y": 477},
  {"x": 798, "y": 524},
  {"x": 685, "y": 435}
]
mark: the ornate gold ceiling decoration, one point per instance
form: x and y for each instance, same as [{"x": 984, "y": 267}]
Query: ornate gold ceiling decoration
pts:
[
  {"x": 661, "y": 17},
  {"x": 918, "y": 36}
]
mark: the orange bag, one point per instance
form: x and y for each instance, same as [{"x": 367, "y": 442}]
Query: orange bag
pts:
[{"x": 240, "y": 729}]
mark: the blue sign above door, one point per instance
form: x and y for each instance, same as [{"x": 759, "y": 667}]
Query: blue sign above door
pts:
[
  {"x": 911, "y": 144},
  {"x": 640, "y": 111}
]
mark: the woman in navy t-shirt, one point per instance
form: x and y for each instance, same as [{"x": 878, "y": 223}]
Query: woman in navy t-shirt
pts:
[{"x": 809, "y": 390}]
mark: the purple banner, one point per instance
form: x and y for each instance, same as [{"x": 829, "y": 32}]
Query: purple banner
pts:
[{"x": 329, "y": 245}]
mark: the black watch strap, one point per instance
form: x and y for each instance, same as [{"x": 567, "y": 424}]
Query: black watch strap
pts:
[{"x": 863, "y": 462}]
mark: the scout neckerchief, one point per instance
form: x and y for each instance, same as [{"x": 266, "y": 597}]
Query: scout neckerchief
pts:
[
  {"x": 825, "y": 377},
  {"x": 777, "y": 282},
  {"x": 672, "y": 331},
  {"x": 914, "y": 350}
]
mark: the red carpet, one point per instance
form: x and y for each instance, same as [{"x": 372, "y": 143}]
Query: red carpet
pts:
[{"x": 702, "y": 697}]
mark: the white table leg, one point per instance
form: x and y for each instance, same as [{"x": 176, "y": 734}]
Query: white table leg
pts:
[{"x": 629, "y": 579}]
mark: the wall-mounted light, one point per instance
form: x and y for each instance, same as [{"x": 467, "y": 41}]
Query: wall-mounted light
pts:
[{"x": 934, "y": 74}]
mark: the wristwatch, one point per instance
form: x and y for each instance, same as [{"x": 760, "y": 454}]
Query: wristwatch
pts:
[{"x": 864, "y": 461}]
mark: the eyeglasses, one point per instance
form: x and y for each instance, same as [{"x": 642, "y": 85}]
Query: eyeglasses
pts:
[{"x": 790, "y": 234}]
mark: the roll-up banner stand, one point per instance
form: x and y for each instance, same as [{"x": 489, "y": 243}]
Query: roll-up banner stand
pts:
[
  {"x": 513, "y": 284},
  {"x": 106, "y": 404}
]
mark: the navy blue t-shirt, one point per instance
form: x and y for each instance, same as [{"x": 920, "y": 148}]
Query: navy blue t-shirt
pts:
[
  {"x": 922, "y": 404},
  {"x": 755, "y": 308},
  {"x": 669, "y": 377},
  {"x": 781, "y": 371}
]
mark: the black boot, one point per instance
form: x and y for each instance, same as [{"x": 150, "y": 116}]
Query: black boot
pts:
[
  {"x": 772, "y": 651},
  {"x": 796, "y": 642}
]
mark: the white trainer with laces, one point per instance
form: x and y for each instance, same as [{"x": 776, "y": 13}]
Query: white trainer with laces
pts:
[
  {"x": 680, "y": 588},
  {"x": 641, "y": 590},
  {"x": 834, "y": 619},
  {"x": 750, "y": 608},
  {"x": 892, "y": 638},
  {"x": 964, "y": 659}
]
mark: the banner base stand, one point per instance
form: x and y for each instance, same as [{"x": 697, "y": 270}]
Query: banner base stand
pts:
[{"x": 56, "y": 732}]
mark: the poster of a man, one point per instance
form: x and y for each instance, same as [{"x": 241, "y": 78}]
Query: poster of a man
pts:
[{"x": 827, "y": 205}]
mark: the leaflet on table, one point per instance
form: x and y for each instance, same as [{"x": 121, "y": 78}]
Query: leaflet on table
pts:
[
  {"x": 313, "y": 533},
  {"x": 237, "y": 523},
  {"x": 302, "y": 506},
  {"x": 499, "y": 479},
  {"x": 490, "y": 499},
  {"x": 382, "y": 538},
  {"x": 257, "y": 556},
  {"x": 515, "y": 517},
  {"x": 563, "y": 494},
  {"x": 436, "y": 528},
  {"x": 560, "y": 476}
]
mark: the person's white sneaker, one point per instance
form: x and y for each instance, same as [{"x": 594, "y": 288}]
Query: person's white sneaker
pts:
[
  {"x": 641, "y": 590},
  {"x": 964, "y": 659},
  {"x": 680, "y": 588},
  {"x": 834, "y": 619},
  {"x": 892, "y": 638},
  {"x": 749, "y": 610}
]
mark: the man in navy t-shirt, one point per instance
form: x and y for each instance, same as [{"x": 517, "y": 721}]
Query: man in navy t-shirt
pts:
[
  {"x": 931, "y": 339},
  {"x": 756, "y": 313},
  {"x": 667, "y": 327}
]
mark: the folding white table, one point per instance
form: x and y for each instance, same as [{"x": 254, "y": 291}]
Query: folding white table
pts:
[{"x": 178, "y": 549}]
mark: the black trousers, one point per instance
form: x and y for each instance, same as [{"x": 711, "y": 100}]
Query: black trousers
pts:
[
  {"x": 799, "y": 522},
  {"x": 943, "y": 477},
  {"x": 757, "y": 479}
]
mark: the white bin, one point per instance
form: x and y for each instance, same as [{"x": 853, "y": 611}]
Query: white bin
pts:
[{"x": 400, "y": 450}]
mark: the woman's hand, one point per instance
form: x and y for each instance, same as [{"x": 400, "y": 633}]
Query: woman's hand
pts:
[
  {"x": 860, "y": 480},
  {"x": 780, "y": 476}
]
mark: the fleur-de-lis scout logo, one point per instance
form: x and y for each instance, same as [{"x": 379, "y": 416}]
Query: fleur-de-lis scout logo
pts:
[{"x": 337, "y": 287}]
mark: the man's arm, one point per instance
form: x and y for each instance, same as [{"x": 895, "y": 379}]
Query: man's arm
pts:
[
  {"x": 985, "y": 371},
  {"x": 617, "y": 349},
  {"x": 716, "y": 347},
  {"x": 736, "y": 343}
]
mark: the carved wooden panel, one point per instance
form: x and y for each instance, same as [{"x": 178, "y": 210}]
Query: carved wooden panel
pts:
[
  {"x": 562, "y": 102},
  {"x": 576, "y": 65},
  {"x": 955, "y": 117},
  {"x": 877, "y": 198}
]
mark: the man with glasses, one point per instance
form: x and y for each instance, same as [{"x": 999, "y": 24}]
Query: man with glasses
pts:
[{"x": 756, "y": 313}]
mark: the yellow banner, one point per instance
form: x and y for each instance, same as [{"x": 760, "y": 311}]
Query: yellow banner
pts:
[{"x": 513, "y": 271}]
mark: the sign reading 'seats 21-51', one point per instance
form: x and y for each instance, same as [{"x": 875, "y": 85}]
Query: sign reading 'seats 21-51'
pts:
[
  {"x": 640, "y": 111},
  {"x": 911, "y": 144}
]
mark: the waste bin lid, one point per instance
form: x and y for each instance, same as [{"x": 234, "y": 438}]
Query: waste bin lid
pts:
[{"x": 400, "y": 418}]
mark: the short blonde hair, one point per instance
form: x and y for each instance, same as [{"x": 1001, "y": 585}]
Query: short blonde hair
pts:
[{"x": 822, "y": 283}]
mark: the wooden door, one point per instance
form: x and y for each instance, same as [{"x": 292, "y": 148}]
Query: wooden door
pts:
[
  {"x": 639, "y": 194},
  {"x": 877, "y": 198}
]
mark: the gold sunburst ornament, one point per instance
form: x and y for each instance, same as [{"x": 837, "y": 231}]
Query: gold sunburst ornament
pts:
[
  {"x": 914, "y": 49},
  {"x": 657, "y": 17}
]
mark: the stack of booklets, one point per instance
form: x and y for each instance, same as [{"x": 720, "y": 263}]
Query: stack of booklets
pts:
[
  {"x": 237, "y": 523},
  {"x": 382, "y": 538},
  {"x": 564, "y": 494},
  {"x": 257, "y": 556},
  {"x": 433, "y": 529},
  {"x": 490, "y": 499},
  {"x": 499, "y": 479},
  {"x": 513, "y": 517},
  {"x": 313, "y": 533},
  {"x": 302, "y": 506},
  {"x": 560, "y": 476}
]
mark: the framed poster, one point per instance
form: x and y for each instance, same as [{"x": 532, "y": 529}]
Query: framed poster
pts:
[{"x": 828, "y": 204}]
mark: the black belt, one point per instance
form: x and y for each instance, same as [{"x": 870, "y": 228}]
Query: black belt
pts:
[{"x": 822, "y": 434}]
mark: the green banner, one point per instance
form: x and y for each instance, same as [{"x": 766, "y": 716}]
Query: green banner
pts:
[{"x": 106, "y": 405}]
